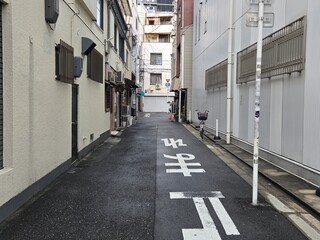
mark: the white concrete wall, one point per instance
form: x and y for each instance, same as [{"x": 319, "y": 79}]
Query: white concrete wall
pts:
[
  {"x": 37, "y": 108},
  {"x": 157, "y": 102},
  {"x": 164, "y": 69},
  {"x": 290, "y": 119}
]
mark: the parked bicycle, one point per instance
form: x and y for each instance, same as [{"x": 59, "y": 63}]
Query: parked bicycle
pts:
[{"x": 202, "y": 116}]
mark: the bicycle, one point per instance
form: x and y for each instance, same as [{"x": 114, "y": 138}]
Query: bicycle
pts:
[{"x": 202, "y": 116}]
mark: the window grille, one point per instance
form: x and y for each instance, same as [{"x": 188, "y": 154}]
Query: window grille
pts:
[
  {"x": 95, "y": 66},
  {"x": 64, "y": 63},
  {"x": 216, "y": 76},
  {"x": 283, "y": 52}
]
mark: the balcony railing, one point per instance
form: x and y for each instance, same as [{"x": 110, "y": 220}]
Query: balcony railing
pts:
[
  {"x": 283, "y": 52},
  {"x": 216, "y": 76}
]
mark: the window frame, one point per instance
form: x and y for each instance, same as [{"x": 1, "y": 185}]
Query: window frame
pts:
[
  {"x": 99, "y": 8},
  {"x": 154, "y": 58},
  {"x": 156, "y": 74},
  {"x": 95, "y": 66}
]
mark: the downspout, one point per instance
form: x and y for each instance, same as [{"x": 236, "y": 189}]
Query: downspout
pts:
[{"x": 229, "y": 77}]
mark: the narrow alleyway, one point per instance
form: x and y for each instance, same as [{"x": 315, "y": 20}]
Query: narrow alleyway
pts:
[{"x": 154, "y": 181}]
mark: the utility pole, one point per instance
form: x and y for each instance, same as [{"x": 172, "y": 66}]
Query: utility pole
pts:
[
  {"x": 256, "y": 19},
  {"x": 257, "y": 107}
]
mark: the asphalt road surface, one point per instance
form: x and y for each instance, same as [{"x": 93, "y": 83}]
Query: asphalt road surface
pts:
[{"x": 155, "y": 181}]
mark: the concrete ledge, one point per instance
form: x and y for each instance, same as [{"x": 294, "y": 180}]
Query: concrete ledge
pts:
[{"x": 16, "y": 202}]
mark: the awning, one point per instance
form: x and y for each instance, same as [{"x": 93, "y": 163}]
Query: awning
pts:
[
  {"x": 175, "y": 86},
  {"x": 130, "y": 83},
  {"x": 112, "y": 84}
]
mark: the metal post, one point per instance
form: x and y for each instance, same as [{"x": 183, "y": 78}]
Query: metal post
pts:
[
  {"x": 257, "y": 106},
  {"x": 229, "y": 82},
  {"x": 216, "y": 137}
]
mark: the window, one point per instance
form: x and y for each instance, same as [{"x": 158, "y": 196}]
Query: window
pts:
[
  {"x": 156, "y": 58},
  {"x": 95, "y": 66},
  {"x": 115, "y": 39},
  {"x": 64, "y": 62},
  {"x": 100, "y": 13},
  {"x": 121, "y": 47},
  {"x": 155, "y": 78},
  {"x": 108, "y": 97},
  {"x": 165, "y": 20},
  {"x": 151, "y": 22},
  {"x": 164, "y": 38},
  {"x": 152, "y": 38}
]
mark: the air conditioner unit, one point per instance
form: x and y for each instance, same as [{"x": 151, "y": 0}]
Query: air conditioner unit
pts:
[{"x": 158, "y": 86}]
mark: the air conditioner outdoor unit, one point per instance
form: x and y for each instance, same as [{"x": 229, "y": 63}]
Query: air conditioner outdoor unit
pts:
[{"x": 158, "y": 86}]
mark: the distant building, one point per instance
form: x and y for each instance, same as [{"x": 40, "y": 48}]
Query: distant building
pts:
[{"x": 156, "y": 50}]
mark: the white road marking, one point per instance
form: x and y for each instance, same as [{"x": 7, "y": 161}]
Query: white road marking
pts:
[
  {"x": 182, "y": 157},
  {"x": 147, "y": 115},
  {"x": 173, "y": 143},
  {"x": 209, "y": 230},
  {"x": 188, "y": 195},
  {"x": 224, "y": 217}
]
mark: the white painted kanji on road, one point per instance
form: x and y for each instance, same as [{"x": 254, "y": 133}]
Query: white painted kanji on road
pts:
[
  {"x": 209, "y": 230},
  {"x": 182, "y": 158},
  {"x": 170, "y": 142}
]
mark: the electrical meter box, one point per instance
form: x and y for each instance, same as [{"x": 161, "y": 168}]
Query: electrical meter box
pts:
[
  {"x": 51, "y": 10},
  {"x": 77, "y": 67}
]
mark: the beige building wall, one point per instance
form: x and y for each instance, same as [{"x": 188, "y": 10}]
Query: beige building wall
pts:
[{"x": 37, "y": 107}]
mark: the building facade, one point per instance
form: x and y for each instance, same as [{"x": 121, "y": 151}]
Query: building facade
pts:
[
  {"x": 156, "y": 50},
  {"x": 289, "y": 119},
  {"x": 58, "y": 98},
  {"x": 182, "y": 57}
]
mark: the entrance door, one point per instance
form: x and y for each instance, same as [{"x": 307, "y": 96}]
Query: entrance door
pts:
[{"x": 74, "y": 122}]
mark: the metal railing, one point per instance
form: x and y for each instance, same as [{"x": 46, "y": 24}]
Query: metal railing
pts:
[
  {"x": 283, "y": 52},
  {"x": 216, "y": 76}
]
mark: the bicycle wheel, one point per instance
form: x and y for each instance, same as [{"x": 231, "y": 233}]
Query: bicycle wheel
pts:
[{"x": 201, "y": 133}]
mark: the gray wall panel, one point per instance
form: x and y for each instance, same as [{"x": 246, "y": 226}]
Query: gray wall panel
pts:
[{"x": 292, "y": 116}]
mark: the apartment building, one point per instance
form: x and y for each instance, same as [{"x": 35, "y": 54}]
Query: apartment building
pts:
[{"x": 156, "y": 50}]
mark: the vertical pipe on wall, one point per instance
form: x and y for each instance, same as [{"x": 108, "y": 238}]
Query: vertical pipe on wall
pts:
[{"x": 229, "y": 77}]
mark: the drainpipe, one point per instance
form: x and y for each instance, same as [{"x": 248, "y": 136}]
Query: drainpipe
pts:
[{"x": 229, "y": 78}]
